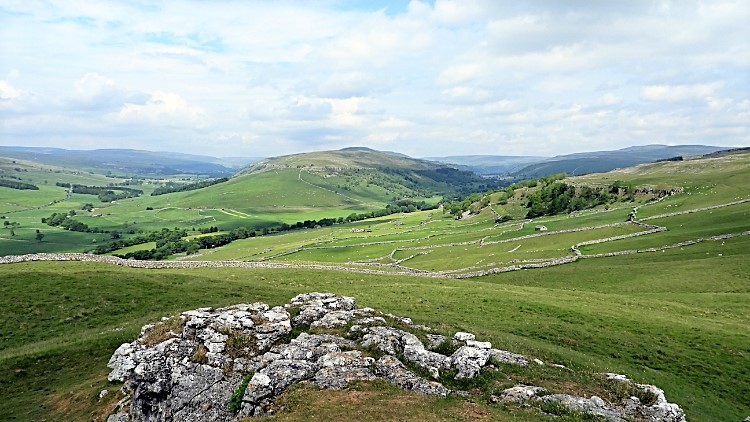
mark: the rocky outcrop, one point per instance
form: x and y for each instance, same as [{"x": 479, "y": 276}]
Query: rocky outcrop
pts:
[
  {"x": 229, "y": 363},
  {"x": 657, "y": 408}
]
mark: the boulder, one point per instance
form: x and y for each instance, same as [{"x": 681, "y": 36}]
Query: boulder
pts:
[{"x": 469, "y": 361}]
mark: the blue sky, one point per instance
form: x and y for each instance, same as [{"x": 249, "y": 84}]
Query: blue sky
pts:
[{"x": 446, "y": 77}]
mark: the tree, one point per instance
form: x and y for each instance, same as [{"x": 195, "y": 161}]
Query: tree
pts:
[{"x": 39, "y": 237}]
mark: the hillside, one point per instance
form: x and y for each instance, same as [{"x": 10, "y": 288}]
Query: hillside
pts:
[
  {"x": 266, "y": 195},
  {"x": 661, "y": 298},
  {"x": 127, "y": 162},
  {"x": 603, "y": 161},
  {"x": 389, "y": 174}
]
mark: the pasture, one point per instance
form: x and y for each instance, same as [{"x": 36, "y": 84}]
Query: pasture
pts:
[{"x": 675, "y": 319}]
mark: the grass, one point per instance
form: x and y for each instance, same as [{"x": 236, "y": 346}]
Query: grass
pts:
[{"x": 676, "y": 319}]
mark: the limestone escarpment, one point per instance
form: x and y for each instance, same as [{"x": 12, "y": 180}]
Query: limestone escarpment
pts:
[{"x": 230, "y": 363}]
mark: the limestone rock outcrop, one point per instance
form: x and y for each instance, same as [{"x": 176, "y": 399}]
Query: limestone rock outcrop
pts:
[{"x": 230, "y": 363}]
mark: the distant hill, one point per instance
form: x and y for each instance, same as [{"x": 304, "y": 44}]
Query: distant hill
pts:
[
  {"x": 292, "y": 188},
  {"x": 488, "y": 164},
  {"x": 362, "y": 172},
  {"x": 604, "y": 161},
  {"x": 128, "y": 161}
]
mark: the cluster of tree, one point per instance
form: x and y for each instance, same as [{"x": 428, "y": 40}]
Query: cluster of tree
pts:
[
  {"x": 206, "y": 230},
  {"x": 171, "y": 242},
  {"x": 105, "y": 193},
  {"x": 457, "y": 208},
  {"x": 178, "y": 187},
  {"x": 17, "y": 185},
  {"x": 68, "y": 223},
  {"x": 140, "y": 238},
  {"x": 677, "y": 158},
  {"x": 559, "y": 198}
]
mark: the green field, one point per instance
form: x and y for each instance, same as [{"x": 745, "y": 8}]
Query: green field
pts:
[{"x": 676, "y": 319}]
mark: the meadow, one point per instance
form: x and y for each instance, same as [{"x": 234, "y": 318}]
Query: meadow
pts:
[{"x": 676, "y": 319}]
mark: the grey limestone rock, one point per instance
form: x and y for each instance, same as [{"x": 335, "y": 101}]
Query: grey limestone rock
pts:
[
  {"x": 504, "y": 356},
  {"x": 469, "y": 361},
  {"x": 395, "y": 372},
  {"x": 464, "y": 337},
  {"x": 338, "y": 369},
  {"x": 189, "y": 368},
  {"x": 593, "y": 405},
  {"x": 630, "y": 408},
  {"x": 520, "y": 393},
  {"x": 119, "y": 417}
]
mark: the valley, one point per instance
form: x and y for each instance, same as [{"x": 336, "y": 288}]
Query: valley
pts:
[{"x": 641, "y": 271}]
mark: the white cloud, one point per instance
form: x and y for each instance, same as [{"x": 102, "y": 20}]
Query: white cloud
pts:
[
  {"x": 427, "y": 78},
  {"x": 673, "y": 93},
  {"x": 163, "y": 108},
  {"x": 7, "y": 91}
]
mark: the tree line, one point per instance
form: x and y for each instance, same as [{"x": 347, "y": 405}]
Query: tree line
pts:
[
  {"x": 17, "y": 185},
  {"x": 177, "y": 187},
  {"x": 105, "y": 193}
]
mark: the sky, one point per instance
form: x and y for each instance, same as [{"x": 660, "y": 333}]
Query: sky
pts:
[{"x": 425, "y": 78}]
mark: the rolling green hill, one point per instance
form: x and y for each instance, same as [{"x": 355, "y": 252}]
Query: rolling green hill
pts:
[
  {"x": 662, "y": 299},
  {"x": 126, "y": 162},
  {"x": 283, "y": 190},
  {"x": 395, "y": 175}
]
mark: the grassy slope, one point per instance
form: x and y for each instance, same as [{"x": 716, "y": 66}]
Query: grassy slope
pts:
[
  {"x": 285, "y": 194},
  {"x": 675, "y": 319}
]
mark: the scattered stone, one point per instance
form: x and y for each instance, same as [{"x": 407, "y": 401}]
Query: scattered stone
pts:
[
  {"x": 119, "y": 417},
  {"x": 338, "y": 369},
  {"x": 630, "y": 409},
  {"x": 103, "y": 394},
  {"x": 462, "y": 336},
  {"x": 519, "y": 393},
  {"x": 504, "y": 356},
  {"x": 434, "y": 340},
  {"x": 594, "y": 406},
  {"x": 479, "y": 344}
]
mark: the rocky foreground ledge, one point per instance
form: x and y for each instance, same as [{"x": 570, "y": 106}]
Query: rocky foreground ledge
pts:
[{"x": 231, "y": 363}]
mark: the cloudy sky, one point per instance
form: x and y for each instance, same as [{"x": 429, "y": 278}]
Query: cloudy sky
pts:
[{"x": 426, "y": 78}]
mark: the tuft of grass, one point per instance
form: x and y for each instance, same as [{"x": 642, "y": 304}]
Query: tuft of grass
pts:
[
  {"x": 559, "y": 409},
  {"x": 235, "y": 402},
  {"x": 240, "y": 345},
  {"x": 200, "y": 355},
  {"x": 617, "y": 391},
  {"x": 164, "y": 330},
  {"x": 447, "y": 347}
]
